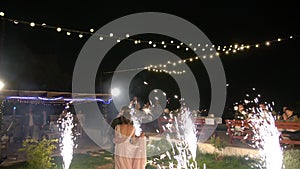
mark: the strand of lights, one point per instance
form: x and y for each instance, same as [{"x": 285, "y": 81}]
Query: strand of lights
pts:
[
  {"x": 227, "y": 49},
  {"x": 161, "y": 68},
  {"x": 149, "y": 68},
  {"x": 58, "y": 99}
]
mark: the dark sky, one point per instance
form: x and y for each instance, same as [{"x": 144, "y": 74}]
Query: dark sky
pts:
[{"x": 42, "y": 59}]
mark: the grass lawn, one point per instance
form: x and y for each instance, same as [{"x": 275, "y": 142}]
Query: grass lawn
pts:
[{"x": 91, "y": 161}]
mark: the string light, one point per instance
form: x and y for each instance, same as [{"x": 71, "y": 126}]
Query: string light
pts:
[
  {"x": 225, "y": 49},
  {"x": 220, "y": 49}
]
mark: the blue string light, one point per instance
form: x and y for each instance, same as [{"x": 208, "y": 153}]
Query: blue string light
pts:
[{"x": 59, "y": 98}]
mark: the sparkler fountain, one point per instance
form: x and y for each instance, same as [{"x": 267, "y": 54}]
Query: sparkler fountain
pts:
[
  {"x": 184, "y": 146},
  {"x": 67, "y": 137},
  {"x": 266, "y": 134}
]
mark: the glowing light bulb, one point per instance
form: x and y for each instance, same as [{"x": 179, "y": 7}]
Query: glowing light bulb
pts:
[
  {"x": 80, "y": 35},
  {"x": 43, "y": 24},
  {"x": 150, "y": 42},
  {"x": 163, "y": 42},
  {"x": 1, "y": 85},
  {"x": 257, "y": 45},
  {"x": 115, "y": 92},
  {"x": 68, "y": 33},
  {"x": 91, "y": 30},
  {"x": 267, "y": 43},
  {"x": 111, "y": 35},
  {"x": 186, "y": 49},
  {"x": 32, "y": 24},
  {"x": 118, "y": 40},
  {"x": 2, "y": 14},
  {"x": 16, "y": 22},
  {"x": 195, "y": 49},
  {"x": 58, "y": 29},
  {"x": 291, "y": 37},
  {"x": 165, "y": 46},
  {"x": 100, "y": 38},
  {"x": 127, "y": 35},
  {"x": 278, "y": 39},
  {"x": 172, "y": 41},
  {"x": 178, "y": 47}
]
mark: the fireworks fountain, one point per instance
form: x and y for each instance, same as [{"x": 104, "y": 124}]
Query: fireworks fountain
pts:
[
  {"x": 266, "y": 134},
  {"x": 67, "y": 137},
  {"x": 187, "y": 140},
  {"x": 183, "y": 142}
]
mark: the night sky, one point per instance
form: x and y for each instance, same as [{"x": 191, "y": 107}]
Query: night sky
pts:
[{"x": 43, "y": 59}]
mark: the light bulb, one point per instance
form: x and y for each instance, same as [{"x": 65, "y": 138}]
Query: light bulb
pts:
[{"x": 32, "y": 24}]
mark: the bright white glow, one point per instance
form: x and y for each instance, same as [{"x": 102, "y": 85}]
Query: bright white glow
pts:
[
  {"x": 127, "y": 35},
  {"x": 115, "y": 91},
  {"x": 68, "y": 33},
  {"x": 58, "y": 29},
  {"x": 91, "y": 30},
  {"x": 111, "y": 34},
  {"x": 235, "y": 108},
  {"x": 43, "y": 24},
  {"x": 32, "y": 24},
  {"x": 100, "y": 38},
  {"x": 67, "y": 139},
  {"x": 175, "y": 96},
  {"x": 267, "y": 43},
  {"x": 150, "y": 42},
  {"x": 227, "y": 84},
  {"x": 80, "y": 35},
  {"x": 118, "y": 40},
  {"x": 1, "y": 85},
  {"x": 257, "y": 45},
  {"x": 145, "y": 83},
  {"x": 266, "y": 137},
  {"x": 2, "y": 14},
  {"x": 16, "y": 22}
]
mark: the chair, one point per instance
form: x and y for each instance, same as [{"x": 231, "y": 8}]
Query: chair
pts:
[{"x": 238, "y": 129}]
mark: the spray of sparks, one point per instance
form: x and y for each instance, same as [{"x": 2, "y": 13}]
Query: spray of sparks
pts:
[
  {"x": 266, "y": 135},
  {"x": 67, "y": 138},
  {"x": 184, "y": 146},
  {"x": 187, "y": 144}
]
